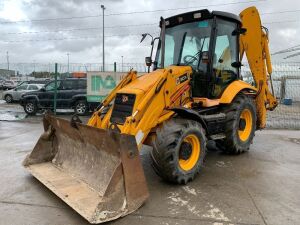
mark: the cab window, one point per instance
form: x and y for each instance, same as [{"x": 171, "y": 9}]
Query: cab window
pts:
[
  {"x": 33, "y": 88},
  {"x": 51, "y": 86},
  {"x": 226, "y": 52},
  {"x": 68, "y": 85},
  {"x": 82, "y": 84},
  {"x": 21, "y": 88}
]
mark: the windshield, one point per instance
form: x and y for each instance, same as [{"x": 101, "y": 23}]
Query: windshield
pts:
[{"x": 185, "y": 43}]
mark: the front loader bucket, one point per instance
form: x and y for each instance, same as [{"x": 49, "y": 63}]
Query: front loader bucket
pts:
[{"x": 97, "y": 172}]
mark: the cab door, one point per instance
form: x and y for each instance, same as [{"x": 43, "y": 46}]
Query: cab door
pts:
[
  {"x": 66, "y": 92},
  {"x": 226, "y": 54},
  {"x": 46, "y": 95}
]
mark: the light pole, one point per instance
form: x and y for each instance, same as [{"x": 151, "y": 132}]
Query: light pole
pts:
[
  {"x": 68, "y": 54},
  {"x": 7, "y": 59},
  {"x": 122, "y": 63},
  {"x": 103, "y": 54}
]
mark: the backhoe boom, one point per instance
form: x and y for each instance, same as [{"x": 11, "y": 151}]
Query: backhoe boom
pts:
[{"x": 255, "y": 43}]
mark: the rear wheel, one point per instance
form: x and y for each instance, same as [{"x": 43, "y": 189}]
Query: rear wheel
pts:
[
  {"x": 30, "y": 108},
  {"x": 81, "y": 107},
  {"x": 179, "y": 148},
  {"x": 240, "y": 125},
  {"x": 8, "y": 98}
]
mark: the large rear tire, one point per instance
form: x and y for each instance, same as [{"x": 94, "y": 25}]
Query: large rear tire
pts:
[
  {"x": 240, "y": 125},
  {"x": 179, "y": 148}
]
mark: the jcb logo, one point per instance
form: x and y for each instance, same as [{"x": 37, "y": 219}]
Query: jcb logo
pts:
[
  {"x": 99, "y": 83},
  {"x": 182, "y": 79}
]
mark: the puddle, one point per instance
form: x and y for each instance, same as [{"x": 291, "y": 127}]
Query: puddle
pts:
[
  {"x": 12, "y": 116},
  {"x": 295, "y": 140}
]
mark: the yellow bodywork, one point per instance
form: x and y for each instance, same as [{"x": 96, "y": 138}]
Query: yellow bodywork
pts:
[
  {"x": 151, "y": 106},
  {"x": 233, "y": 89},
  {"x": 96, "y": 168},
  {"x": 255, "y": 44}
]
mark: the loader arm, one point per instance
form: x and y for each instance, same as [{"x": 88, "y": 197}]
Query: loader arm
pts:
[
  {"x": 255, "y": 43},
  {"x": 151, "y": 105}
]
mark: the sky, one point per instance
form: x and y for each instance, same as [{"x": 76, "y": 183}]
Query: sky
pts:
[{"x": 33, "y": 31}]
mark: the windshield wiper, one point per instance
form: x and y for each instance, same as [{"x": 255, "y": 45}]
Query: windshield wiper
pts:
[{"x": 199, "y": 53}]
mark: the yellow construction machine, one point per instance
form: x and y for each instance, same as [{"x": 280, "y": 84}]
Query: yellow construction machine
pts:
[{"x": 194, "y": 95}]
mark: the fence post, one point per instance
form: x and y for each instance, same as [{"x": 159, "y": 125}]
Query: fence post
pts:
[
  {"x": 282, "y": 88},
  {"x": 115, "y": 67},
  {"x": 55, "y": 89}
]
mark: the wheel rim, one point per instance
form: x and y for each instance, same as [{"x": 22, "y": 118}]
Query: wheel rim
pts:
[
  {"x": 245, "y": 125},
  {"x": 189, "y": 162},
  {"x": 80, "y": 108},
  {"x": 29, "y": 107},
  {"x": 8, "y": 98}
]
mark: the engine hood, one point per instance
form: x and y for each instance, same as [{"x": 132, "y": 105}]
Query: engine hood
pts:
[{"x": 143, "y": 83}]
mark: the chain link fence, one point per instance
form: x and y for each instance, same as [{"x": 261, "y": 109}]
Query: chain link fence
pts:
[
  {"x": 286, "y": 84},
  {"x": 29, "y": 68}
]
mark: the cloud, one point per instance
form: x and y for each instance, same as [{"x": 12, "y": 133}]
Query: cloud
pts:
[{"x": 282, "y": 35}]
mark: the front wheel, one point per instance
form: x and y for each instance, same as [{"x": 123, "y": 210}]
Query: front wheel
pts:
[
  {"x": 30, "y": 108},
  {"x": 81, "y": 107},
  {"x": 8, "y": 98},
  {"x": 179, "y": 148}
]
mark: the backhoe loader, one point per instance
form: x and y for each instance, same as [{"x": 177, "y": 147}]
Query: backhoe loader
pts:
[{"x": 194, "y": 95}]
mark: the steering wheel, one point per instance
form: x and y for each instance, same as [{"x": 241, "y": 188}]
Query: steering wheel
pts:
[{"x": 189, "y": 61}]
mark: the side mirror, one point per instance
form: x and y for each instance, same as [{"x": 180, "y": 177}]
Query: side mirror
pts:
[
  {"x": 143, "y": 37},
  {"x": 236, "y": 64},
  {"x": 148, "y": 61},
  {"x": 43, "y": 89}
]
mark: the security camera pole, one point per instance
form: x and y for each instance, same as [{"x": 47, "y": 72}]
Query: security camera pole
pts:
[
  {"x": 103, "y": 57},
  {"x": 122, "y": 63}
]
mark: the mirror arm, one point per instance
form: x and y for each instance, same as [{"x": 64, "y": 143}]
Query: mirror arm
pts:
[{"x": 151, "y": 53}]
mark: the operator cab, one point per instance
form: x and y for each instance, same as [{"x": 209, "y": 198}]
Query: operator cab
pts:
[{"x": 206, "y": 41}]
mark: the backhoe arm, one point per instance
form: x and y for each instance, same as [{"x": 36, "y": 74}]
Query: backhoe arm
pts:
[{"x": 255, "y": 44}]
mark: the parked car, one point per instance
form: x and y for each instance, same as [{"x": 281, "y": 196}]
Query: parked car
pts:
[
  {"x": 71, "y": 94},
  {"x": 9, "y": 84},
  {"x": 1, "y": 84},
  {"x": 16, "y": 93},
  {"x": 44, "y": 81}
]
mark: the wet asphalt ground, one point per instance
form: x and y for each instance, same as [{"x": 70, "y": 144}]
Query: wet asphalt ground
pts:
[{"x": 257, "y": 187}]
